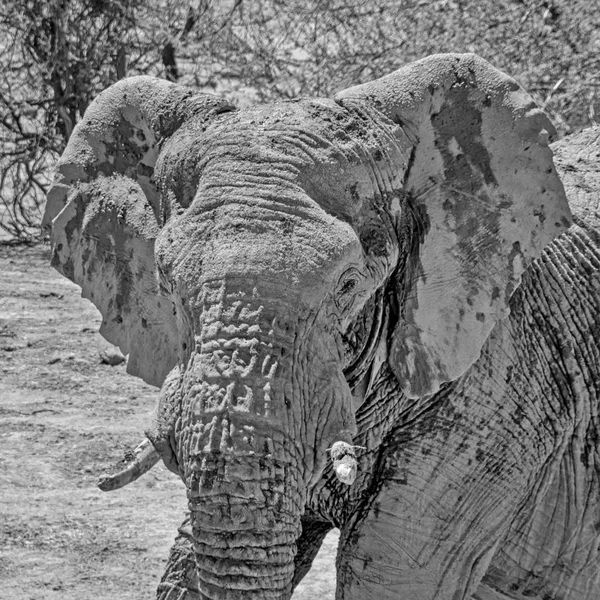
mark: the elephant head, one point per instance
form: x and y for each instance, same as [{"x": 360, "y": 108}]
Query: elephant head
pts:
[{"x": 262, "y": 265}]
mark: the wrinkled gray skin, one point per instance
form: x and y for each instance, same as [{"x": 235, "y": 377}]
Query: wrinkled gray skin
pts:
[{"x": 309, "y": 274}]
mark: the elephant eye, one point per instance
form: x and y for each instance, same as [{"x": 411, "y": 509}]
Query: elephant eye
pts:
[{"x": 348, "y": 289}]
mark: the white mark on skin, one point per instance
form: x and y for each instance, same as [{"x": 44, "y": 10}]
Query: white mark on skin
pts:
[
  {"x": 454, "y": 147},
  {"x": 267, "y": 399},
  {"x": 543, "y": 138},
  {"x": 212, "y": 428},
  {"x": 395, "y": 206},
  {"x": 518, "y": 267}
]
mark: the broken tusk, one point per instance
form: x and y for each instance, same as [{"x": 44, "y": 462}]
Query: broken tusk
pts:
[
  {"x": 346, "y": 470},
  {"x": 145, "y": 457},
  {"x": 344, "y": 462}
]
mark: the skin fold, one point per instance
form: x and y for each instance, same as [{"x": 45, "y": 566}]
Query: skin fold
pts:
[{"x": 374, "y": 312}]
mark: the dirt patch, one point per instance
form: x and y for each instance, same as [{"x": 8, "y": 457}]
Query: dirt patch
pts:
[{"x": 64, "y": 418}]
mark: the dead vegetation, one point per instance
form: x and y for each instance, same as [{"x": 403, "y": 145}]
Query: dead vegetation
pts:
[{"x": 58, "y": 55}]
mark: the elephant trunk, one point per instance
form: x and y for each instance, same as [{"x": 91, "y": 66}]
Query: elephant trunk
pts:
[
  {"x": 239, "y": 429},
  {"x": 245, "y": 542}
]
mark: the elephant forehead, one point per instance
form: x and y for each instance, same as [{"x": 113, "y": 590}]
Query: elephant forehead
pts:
[
  {"x": 340, "y": 157},
  {"x": 265, "y": 177}
]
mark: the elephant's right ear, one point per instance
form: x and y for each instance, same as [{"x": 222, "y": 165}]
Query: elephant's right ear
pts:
[
  {"x": 481, "y": 199},
  {"x": 105, "y": 212}
]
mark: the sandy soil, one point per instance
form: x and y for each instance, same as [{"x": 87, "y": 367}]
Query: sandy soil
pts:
[{"x": 65, "y": 417}]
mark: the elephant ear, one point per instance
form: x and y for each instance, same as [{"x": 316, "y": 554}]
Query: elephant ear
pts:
[
  {"x": 482, "y": 199},
  {"x": 105, "y": 212}
]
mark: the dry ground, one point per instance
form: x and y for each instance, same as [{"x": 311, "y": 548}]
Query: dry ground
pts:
[{"x": 64, "y": 417}]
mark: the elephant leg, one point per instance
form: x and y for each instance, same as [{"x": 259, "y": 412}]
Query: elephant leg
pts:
[
  {"x": 180, "y": 581},
  {"x": 313, "y": 534}
]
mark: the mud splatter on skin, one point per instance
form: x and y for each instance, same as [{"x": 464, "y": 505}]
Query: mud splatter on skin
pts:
[{"x": 459, "y": 140}]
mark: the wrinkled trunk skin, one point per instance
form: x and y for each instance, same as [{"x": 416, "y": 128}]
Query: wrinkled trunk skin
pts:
[
  {"x": 261, "y": 393},
  {"x": 237, "y": 438}
]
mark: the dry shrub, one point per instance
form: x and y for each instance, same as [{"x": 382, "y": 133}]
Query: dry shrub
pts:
[{"x": 60, "y": 53}]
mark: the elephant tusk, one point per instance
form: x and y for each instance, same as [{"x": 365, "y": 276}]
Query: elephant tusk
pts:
[
  {"x": 344, "y": 462},
  {"x": 145, "y": 457}
]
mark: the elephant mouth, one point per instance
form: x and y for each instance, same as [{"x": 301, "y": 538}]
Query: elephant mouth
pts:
[{"x": 365, "y": 340}]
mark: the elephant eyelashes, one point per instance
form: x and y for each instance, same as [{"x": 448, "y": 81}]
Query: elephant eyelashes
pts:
[{"x": 347, "y": 288}]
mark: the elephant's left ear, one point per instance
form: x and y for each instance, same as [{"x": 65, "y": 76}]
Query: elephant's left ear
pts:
[{"x": 482, "y": 199}]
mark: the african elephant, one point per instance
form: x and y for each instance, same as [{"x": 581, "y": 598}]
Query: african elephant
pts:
[{"x": 374, "y": 312}]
